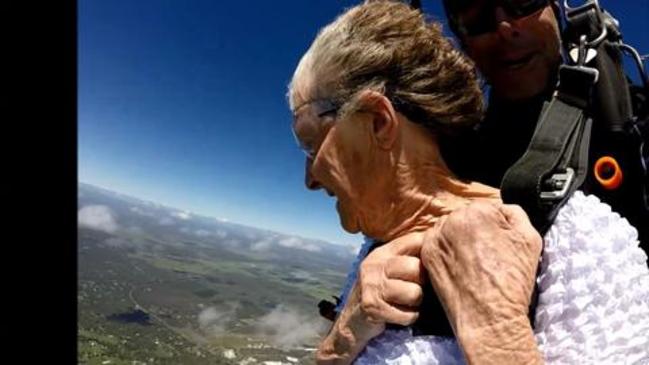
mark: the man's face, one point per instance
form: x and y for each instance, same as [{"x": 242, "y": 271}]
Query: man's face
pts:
[{"x": 518, "y": 57}]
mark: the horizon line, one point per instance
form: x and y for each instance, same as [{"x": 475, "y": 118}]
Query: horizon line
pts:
[{"x": 224, "y": 220}]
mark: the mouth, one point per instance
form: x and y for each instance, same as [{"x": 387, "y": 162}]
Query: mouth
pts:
[
  {"x": 516, "y": 63},
  {"x": 330, "y": 193}
]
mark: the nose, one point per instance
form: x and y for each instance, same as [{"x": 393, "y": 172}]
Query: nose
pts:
[
  {"x": 505, "y": 24},
  {"x": 310, "y": 182}
]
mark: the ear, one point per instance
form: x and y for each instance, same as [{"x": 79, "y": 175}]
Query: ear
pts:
[{"x": 385, "y": 123}]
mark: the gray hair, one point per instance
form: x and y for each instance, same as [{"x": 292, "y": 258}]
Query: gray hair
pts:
[{"x": 389, "y": 47}]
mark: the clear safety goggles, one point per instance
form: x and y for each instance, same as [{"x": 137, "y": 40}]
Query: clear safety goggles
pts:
[{"x": 308, "y": 124}]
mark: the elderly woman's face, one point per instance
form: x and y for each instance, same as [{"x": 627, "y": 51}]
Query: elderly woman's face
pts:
[{"x": 341, "y": 160}]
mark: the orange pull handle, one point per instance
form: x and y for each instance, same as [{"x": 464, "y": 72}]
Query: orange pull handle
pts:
[{"x": 608, "y": 173}]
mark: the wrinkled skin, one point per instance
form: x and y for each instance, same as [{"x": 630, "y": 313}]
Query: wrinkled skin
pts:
[
  {"x": 389, "y": 290},
  {"x": 392, "y": 278},
  {"x": 482, "y": 262},
  {"x": 481, "y": 259},
  {"x": 392, "y": 184},
  {"x": 404, "y": 190}
]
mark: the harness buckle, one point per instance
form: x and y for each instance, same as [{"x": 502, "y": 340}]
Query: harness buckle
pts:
[{"x": 557, "y": 185}]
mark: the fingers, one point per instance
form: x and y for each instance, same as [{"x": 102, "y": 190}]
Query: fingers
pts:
[
  {"x": 389, "y": 313},
  {"x": 404, "y": 316},
  {"x": 405, "y": 268},
  {"x": 390, "y": 281},
  {"x": 404, "y": 293}
]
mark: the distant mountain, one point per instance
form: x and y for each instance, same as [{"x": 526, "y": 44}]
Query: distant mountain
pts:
[{"x": 160, "y": 283}]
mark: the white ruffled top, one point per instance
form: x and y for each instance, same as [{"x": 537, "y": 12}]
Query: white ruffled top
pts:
[{"x": 593, "y": 303}]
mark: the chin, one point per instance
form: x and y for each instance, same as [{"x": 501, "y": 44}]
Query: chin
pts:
[
  {"x": 351, "y": 229},
  {"x": 347, "y": 220},
  {"x": 349, "y": 225}
]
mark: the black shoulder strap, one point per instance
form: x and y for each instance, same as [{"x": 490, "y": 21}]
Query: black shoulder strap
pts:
[{"x": 556, "y": 161}]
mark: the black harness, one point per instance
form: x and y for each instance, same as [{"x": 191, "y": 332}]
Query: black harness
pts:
[{"x": 593, "y": 97}]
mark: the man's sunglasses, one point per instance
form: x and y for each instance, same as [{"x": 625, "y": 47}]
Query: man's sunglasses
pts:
[{"x": 476, "y": 17}]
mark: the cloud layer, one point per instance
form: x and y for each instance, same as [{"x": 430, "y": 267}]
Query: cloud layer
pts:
[
  {"x": 214, "y": 321},
  {"x": 182, "y": 215},
  {"x": 271, "y": 241},
  {"x": 286, "y": 328},
  {"x": 295, "y": 242},
  {"x": 98, "y": 217}
]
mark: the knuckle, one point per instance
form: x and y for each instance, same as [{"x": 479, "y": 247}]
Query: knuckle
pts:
[
  {"x": 482, "y": 210},
  {"x": 368, "y": 305},
  {"x": 515, "y": 209},
  {"x": 418, "y": 297},
  {"x": 392, "y": 261},
  {"x": 365, "y": 272}
]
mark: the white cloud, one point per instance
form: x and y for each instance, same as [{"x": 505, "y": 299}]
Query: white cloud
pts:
[
  {"x": 286, "y": 328},
  {"x": 229, "y": 354},
  {"x": 221, "y": 233},
  {"x": 262, "y": 245},
  {"x": 214, "y": 321},
  {"x": 184, "y": 215},
  {"x": 248, "y": 361},
  {"x": 98, "y": 217},
  {"x": 295, "y": 242}
]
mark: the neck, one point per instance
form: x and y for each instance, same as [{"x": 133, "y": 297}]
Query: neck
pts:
[{"x": 425, "y": 188}]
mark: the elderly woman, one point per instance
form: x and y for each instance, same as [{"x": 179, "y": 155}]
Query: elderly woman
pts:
[{"x": 371, "y": 97}]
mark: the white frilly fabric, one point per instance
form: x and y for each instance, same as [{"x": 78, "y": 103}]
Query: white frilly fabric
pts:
[{"x": 593, "y": 297}]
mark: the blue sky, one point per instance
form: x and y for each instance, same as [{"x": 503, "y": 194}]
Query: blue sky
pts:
[{"x": 183, "y": 103}]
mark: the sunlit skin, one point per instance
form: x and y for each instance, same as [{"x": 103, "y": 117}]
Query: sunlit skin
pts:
[
  {"x": 518, "y": 57},
  {"x": 392, "y": 184},
  {"x": 385, "y": 187}
]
